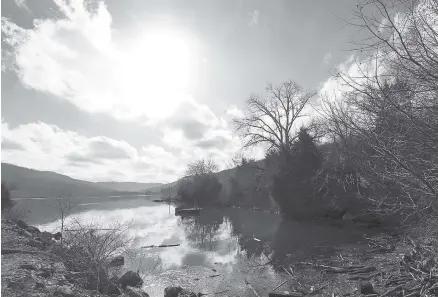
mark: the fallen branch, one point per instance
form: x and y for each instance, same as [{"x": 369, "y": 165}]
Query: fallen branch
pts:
[
  {"x": 280, "y": 285},
  {"x": 391, "y": 290},
  {"x": 291, "y": 294},
  {"x": 90, "y": 229},
  {"x": 160, "y": 246},
  {"x": 220, "y": 292},
  {"x": 214, "y": 275},
  {"x": 249, "y": 286}
]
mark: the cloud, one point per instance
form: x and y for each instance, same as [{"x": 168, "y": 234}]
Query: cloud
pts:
[
  {"x": 327, "y": 58},
  {"x": 47, "y": 147},
  {"x": 234, "y": 112},
  {"x": 255, "y": 17},
  {"x": 81, "y": 58},
  {"x": 196, "y": 132},
  {"x": 8, "y": 144},
  {"x": 354, "y": 67}
]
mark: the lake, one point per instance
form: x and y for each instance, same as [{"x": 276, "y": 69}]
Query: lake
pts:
[{"x": 219, "y": 250}]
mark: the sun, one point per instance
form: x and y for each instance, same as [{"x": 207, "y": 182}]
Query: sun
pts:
[{"x": 160, "y": 61}]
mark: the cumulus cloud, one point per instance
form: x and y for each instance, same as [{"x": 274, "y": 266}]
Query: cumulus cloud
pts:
[
  {"x": 81, "y": 58},
  {"x": 354, "y": 67},
  {"x": 234, "y": 112},
  {"x": 47, "y": 147},
  {"x": 143, "y": 77},
  {"x": 197, "y": 132}
]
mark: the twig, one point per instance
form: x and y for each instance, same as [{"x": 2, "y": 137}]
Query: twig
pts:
[
  {"x": 249, "y": 286},
  {"x": 220, "y": 292},
  {"x": 391, "y": 290},
  {"x": 280, "y": 285},
  {"x": 287, "y": 272},
  {"x": 214, "y": 275}
]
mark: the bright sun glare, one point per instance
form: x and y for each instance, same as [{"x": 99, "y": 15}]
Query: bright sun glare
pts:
[{"x": 161, "y": 61}]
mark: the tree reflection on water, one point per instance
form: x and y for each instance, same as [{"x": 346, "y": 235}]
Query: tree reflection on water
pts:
[{"x": 263, "y": 236}]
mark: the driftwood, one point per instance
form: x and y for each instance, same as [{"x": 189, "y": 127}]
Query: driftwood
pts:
[
  {"x": 214, "y": 275},
  {"x": 252, "y": 289},
  {"x": 280, "y": 285},
  {"x": 90, "y": 229},
  {"x": 363, "y": 276},
  {"x": 391, "y": 290},
  {"x": 290, "y": 294},
  {"x": 160, "y": 246}
]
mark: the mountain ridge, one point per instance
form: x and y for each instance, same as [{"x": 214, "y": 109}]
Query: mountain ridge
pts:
[{"x": 32, "y": 183}]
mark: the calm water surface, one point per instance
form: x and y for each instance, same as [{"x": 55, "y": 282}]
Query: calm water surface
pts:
[{"x": 218, "y": 250}]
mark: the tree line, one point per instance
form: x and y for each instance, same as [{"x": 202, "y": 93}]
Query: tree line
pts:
[{"x": 373, "y": 147}]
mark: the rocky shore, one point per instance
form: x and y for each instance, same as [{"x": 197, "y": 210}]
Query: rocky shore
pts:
[
  {"x": 32, "y": 266},
  {"x": 388, "y": 266}
]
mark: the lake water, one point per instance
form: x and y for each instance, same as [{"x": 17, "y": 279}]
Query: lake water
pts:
[{"x": 218, "y": 251}]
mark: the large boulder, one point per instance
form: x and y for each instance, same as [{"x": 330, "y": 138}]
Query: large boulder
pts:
[
  {"x": 33, "y": 230},
  {"x": 98, "y": 278},
  {"x": 172, "y": 291},
  {"x": 177, "y": 292},
  {"x": 131, "y": 279},
  {"x": 22, "y": 224},
  {"x": 57, "y": 236},
  {"x": 46, "y": 237}
]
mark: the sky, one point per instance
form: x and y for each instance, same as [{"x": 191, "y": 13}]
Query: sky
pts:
[{"x": 134, "y": 90}]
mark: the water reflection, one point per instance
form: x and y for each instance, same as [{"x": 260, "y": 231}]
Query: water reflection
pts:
[{"x": 228, "y": 240}]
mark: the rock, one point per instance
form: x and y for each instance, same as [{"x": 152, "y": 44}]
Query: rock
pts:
[
  {"x": 117, "y": 261},
  {"x": 65, "y": 291},
  {"x": 366, "y": 288},
  {"x": 25, "y": 233},
  {"x": 36, "y": 243},
  {"x": 16, "y": 285},
  {"x": 177, "y": 292},
  {"x": 57, "y": 236},
  {"x": 46, "y": 237},
  {"x": 59, "y": 267},
  {"x": 135, "y": 292},
  {"x": 131, "y": 279},
  {"x": 172, "y": 291},
  {"x": 33, "y": 230},
  {"x": 348, "y": 217},
  {"x": 28, "y": 267},
  {"x": 39, "y": 285},
  {"x": 45, "y": 273},
  {"x": 95, "y": 279},
  {"x": 22, "y": 224}
]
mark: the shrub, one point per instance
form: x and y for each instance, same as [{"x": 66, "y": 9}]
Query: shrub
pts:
[{"x": 6, "y": 197}]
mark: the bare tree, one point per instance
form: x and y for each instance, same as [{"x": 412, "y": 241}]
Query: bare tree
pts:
[
  {"x": 201, "y": 168},
  {"x": 272, "y": 119},
  {"x": 64, "y": 207},
  {"x": 387, "y": 124}
]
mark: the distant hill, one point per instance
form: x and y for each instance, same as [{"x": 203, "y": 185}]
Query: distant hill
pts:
[
  {"x": 26, "y": 183},
  {"x": 128, "y": 186},
  {"x": 31, "y": 183}
]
